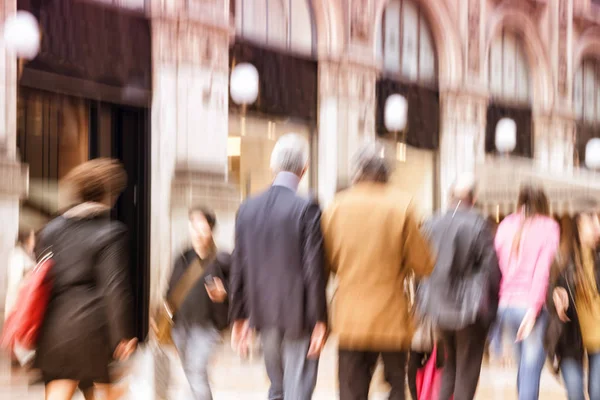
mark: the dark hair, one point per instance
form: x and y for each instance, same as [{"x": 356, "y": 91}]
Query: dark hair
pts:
[
  {"x": 23, "y": 236},
  {"x": 210, "y": 216},
  {"x": 533, "y": 201},
  {"x": 97, "y": 179}
]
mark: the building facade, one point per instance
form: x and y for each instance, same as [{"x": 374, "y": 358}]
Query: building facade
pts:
[{"x": 326, "y": 68}]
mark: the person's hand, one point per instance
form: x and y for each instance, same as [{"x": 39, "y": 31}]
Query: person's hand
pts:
[
  {"x": 125, "y": 349},
  {"x": 317, "y": 340},
  {"x": 240, "y": 337},
  {"x": 526, "y": 325},
  {"x": 561, "y": 302},
  {"x": 216, "y": 292}
]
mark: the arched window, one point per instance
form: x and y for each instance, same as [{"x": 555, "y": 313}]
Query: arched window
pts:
[
  {"x": 509, "y": 70},
  {"x": 405, "y": 43},
  {"x": 586, "y": 92},
  {"x": 586, "y": 105},
  {"x": 283, "y": 24}
]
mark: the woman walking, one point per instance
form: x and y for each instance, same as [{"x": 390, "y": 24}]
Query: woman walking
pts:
[
  {"x": 88, "y": 322},
  {"x": 574, "y": 307},
  {"x": 526, "y": 243}
]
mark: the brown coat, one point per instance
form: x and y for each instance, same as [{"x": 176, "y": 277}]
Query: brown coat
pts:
[{"x": 372, "y": 242}]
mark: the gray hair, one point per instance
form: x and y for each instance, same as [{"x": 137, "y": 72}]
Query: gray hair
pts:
[
  {"x": 465, "y": 187},
  {"x": 290, "y": 154},
  {"x": 370, "y": 164}
]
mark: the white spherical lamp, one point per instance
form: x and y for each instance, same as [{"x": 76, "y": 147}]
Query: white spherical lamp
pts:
[
  {"x": 506, "y": 135},
  {"x": 22, "y": 35},
  {"x": 244, "y": 84},
  {"x": 592, "y": 154},
  {"x": 395, "y": 113}
]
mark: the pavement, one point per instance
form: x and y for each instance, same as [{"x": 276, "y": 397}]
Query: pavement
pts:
[{"x": 233, "y": 379}]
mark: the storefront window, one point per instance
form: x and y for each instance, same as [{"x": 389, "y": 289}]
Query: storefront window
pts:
[{"x": 251, "y": 141}]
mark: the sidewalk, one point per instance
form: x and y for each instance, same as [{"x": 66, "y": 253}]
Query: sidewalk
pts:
[{"x": 233, "y": 379}]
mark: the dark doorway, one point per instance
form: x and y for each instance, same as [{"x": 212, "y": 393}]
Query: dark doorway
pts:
[{"x": 122, "y": 132}]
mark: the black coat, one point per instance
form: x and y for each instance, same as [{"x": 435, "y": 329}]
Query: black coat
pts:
[
  {"x": 90, "y": 309},
  {"x": 197, "y": 308},
  {"x": 278, "y": 272},
  {"x": 563, "y": 339},
  {"x": 463, "y": 242}
]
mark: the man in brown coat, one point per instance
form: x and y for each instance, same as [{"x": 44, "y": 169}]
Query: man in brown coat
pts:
[{"x": 372, "y": 244}]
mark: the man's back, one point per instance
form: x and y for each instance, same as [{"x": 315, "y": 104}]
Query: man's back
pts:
[
  {"x": 372, "y": 243},
  {"x": 279, "y": 256}
]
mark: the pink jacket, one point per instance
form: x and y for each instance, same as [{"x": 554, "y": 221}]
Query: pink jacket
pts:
[{"x": 525, "y": 274}]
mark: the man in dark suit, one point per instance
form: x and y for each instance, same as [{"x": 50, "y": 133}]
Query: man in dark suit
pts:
[{"x": 278, "y": 276}]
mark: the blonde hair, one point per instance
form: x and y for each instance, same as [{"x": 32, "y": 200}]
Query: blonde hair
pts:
[{"x": 96, "y": 180}]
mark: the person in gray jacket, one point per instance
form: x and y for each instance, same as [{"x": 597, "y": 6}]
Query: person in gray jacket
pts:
[{"x": 461, "y": 296}]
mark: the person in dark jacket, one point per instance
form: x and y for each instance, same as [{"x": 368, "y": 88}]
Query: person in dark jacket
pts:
[
  {"x": 278, "y": 276},
  {"x": 204, "y": 310},
  {"x": 88, "y": 322},
  {"x": 466, "y": 264},
  {"x": 573, "y": 303}
]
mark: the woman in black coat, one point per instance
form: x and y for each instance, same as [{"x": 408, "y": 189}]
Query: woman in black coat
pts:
[
  {"x": 88, "y": 322},
  {"x": 565, "y": 302}
]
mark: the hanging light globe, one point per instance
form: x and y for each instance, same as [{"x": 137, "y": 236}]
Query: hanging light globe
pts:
[
  {"x": 22, "y": 35},
  {"x": 243, "y": 85}
]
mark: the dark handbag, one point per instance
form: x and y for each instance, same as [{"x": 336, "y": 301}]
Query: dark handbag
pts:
[{"x": 457, "y": 305}]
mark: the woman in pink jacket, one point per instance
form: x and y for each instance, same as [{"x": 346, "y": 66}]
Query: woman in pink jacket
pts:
[{"x": 526, "y": 244}]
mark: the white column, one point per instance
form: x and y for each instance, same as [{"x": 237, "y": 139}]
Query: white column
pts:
[
  {"x": 462, "y": 137},
  {"x": 346, "y": 120},
  {"x": 189, "y": 125},
  {"x": 554, "y": 142},
  {"x": 13, "y": 175}
]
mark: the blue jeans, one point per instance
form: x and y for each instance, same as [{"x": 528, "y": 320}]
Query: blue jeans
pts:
[
  {"x": 529, "y": 353},
  {"x": 572, "y": 373}
]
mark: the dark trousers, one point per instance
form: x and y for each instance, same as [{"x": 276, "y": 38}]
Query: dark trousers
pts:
[
  {"x": 464, "y": 355},
  {"x": 356, "y": 370}
]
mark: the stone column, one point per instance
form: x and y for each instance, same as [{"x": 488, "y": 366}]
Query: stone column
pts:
[
  {"x": 189, "y": 125},
  {"x": 346, "y": 120},
  {"x": 13, "y": 174},
  {"x": 554, "y": 142},
  {"x": 462, "y": 137}
]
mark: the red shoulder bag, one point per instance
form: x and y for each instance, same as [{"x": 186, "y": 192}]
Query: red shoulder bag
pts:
[{"x": 23, "y": 324}]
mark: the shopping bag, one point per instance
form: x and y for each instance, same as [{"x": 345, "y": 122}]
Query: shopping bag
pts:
[
  {"x": 22, "y": 327},
  {"x": 429, "y": 379},
  {"x": 150, "y": 374}
]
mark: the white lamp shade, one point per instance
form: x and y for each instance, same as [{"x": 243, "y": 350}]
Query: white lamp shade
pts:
[
  {"x": 506, "y": 135},
  {"x": 395, "y": 113},
  {"x": 592, "y": 154},
  {"x": 22, "y": 35},
  {"x": 244, "y": 84}
]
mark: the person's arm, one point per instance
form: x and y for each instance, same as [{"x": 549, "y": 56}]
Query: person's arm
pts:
[
  {"x": 416, "y": 251},
  {"x": 237, "y": 296},
  {"x": 313, "y": 261},
  {"x": 541, "y": 274},
  {"x": 488, "y": 260},
  {"x": 179, "y": 267},
  {"x": 112, "y": 274}
]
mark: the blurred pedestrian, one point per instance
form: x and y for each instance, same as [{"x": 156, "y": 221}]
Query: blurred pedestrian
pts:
[
  {"x": 573, "y": 303},
  {"x": 89, "y": 319},
  {"x": 373, "y": 245},
  {"x": 461, "y": 295},
  {"x": 527, "y": 243},
  {"x": 278, "y": 276},
  {"x": 22, "y": 261},
  {"x": 199, "y": 283}
]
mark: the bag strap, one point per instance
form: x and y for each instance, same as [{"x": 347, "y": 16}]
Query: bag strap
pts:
[{"x": 189, "y": 279}]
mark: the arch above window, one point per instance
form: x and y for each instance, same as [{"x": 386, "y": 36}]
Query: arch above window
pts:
[
  {"x": 508, "y": 78},
  {"x": 586, "y": 91},
  {"x": 282, "y": 24},
  {"x": 405, "y": 43}
]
